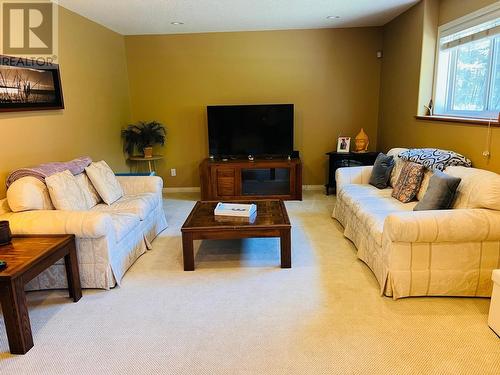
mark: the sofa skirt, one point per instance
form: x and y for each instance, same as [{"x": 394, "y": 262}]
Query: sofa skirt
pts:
[{"x": 102, "y": 264}]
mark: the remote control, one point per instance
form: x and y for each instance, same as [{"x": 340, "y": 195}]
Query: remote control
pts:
[{"x": 3, "y": 265}]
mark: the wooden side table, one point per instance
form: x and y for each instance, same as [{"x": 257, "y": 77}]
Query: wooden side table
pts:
[
  {"x": 27, "y": 257},
  {"x": 151, "y": 161},
  {"x": 346, "y": 159}
]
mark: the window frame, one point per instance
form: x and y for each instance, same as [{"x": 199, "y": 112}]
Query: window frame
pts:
[{"x": 476, "y": 18}]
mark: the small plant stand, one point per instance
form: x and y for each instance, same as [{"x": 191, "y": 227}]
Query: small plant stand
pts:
[{"x": 141, "y": 159}]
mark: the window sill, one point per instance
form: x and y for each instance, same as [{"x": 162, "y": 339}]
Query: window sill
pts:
[{"x": 461, "y": 120}]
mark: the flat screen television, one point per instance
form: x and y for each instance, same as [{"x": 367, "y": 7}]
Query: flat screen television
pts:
[{"x": 264, "y": 130}]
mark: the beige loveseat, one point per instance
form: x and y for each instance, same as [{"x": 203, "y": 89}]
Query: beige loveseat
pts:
[
  {"x": 109, "y": 239},
  {"x": 424, "y": 253}
]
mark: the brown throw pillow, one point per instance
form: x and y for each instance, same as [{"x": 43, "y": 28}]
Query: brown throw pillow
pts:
[{"x": 409, "y": 182}]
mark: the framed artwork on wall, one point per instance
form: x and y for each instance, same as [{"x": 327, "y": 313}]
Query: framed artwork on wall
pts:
[
  {"x": 29, "y": 85},
  {"x": 343, "y": 144}
]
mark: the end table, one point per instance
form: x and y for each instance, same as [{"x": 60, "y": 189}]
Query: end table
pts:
[
  {"x": 26, "y": 257},
  {"x": 346, "y": 159}
]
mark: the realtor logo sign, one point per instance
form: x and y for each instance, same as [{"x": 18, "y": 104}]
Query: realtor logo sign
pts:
[{"x": 29, "y": 29}]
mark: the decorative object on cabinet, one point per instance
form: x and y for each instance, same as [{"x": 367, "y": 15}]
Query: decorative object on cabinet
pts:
[
  {"x": 361, "y": 141},
  {"x": 343, "y": 144}
]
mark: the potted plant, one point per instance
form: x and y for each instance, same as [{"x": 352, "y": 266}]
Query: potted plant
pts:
[{"x": 143, "y": 135}]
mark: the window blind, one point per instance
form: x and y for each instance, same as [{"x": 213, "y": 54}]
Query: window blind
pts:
[{"x": 485, "y": 26}]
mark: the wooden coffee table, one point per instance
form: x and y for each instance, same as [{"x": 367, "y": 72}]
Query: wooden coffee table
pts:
[
  {"x": 26, "y": 257},
  {"x": 271, "y": 221}
]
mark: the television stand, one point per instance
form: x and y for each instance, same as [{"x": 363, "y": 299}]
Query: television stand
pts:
[{"x": 251, "y": 179}]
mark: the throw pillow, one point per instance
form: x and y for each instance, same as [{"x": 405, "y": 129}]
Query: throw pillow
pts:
[
  {"x": 425, "y": 184},
  {"x": 398, "y": 164},
  {"x": 91, "y": 195},
  {"x": 65, "y": 192},
  {"x": 440, "y": 193},
  {"x": 434, "y": 158},
  {"x": 409, "y": 182},
  {"x": 104, "y": 181},
  {"x": 28, "y": 193},
  {"x": 479, "y": 188},
  {"x": 381, "y": 171}
]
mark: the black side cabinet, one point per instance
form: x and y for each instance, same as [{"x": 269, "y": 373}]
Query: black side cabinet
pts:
[{"x": 346, "y": 159}]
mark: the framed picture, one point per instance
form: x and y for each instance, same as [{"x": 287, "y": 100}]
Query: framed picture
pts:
[
  {"x": 344, "y": 144},
  {"x": 29, "y": 85}
]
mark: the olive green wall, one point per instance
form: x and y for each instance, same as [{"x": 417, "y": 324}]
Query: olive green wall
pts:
[
  {"x": 406, "y": 83},
  {"x": 331, "y": 75},
  {"x": 95, "y": 88}
]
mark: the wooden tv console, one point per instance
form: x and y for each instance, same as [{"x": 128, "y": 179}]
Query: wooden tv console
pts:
[{"x": 249, "y": 180}]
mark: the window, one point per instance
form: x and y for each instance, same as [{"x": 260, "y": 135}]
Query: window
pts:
[{"x": 467, "y": 81}]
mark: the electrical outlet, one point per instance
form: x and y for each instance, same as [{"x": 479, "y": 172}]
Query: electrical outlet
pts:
[
  {"x": 486, "y": 154},
  {"x": 173, "y": 172}
]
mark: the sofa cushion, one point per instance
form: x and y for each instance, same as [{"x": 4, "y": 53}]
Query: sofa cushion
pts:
[
  {"x": 381, "y": 171},
  {"x": 409, "y": 182},
  {"x": 91, "y": 195},
  {"x": 65, "y": 192},
  {"x": 440, "y": 194},
  {"x": 139, "y": 204},
  {"x": 123, "y": 224},
  {"x": 434, "y": 158},
  {"x": 104, "y": 181},
  {"x": 371, "y": 206},
  {"x": 29, "y": 193},
  {"x": 478, "y": 189}
]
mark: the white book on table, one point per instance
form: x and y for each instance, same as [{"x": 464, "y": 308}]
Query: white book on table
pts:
[{"x": 235, "y": 209}]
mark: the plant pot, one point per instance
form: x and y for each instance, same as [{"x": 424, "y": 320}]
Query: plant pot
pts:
[{"x": 148, "y": 152}]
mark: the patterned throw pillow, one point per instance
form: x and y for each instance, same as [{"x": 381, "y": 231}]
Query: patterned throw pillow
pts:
[
  {"x": 104, "y": 181},
  {"x": 65, "y": 192},
  {"x": 91, "y": 195},
  {"x": 409, "y": 182},
  {"x": 434, "y": 158}
]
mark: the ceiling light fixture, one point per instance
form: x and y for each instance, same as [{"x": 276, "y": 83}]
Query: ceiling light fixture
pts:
[
  {"x": 177, "y": 23},
  {"x": 333, "y": 17}
]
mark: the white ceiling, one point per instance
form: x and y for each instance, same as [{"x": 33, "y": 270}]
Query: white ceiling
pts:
[{"x": 131, "y": 17}]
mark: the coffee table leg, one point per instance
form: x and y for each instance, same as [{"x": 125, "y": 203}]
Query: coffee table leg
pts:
[
  {"x": 286, "y": 252},
  {"x": 17, "y": 320},
  {"x": 188, "y": 251},
  {"x": 72, "y": 273}
]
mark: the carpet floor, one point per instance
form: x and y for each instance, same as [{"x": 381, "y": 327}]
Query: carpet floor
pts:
[{"x": 239, "y": 313}]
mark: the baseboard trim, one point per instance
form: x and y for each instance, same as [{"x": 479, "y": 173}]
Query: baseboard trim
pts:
[
  {"x": 191, "y": 189},
  {"x": 195, "y": 189},
  {"x": 312, "y": 187}
]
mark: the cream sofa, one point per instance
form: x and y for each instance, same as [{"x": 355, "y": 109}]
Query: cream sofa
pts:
[
  {"x": 109, "y": 239},
  {"x": 424, "y": 253}
]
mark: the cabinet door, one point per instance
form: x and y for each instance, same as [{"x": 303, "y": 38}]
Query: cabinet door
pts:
[{"x": 225, "y": 181}]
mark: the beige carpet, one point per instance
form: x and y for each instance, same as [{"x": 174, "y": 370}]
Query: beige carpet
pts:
[{"x": 239, "y": 313}]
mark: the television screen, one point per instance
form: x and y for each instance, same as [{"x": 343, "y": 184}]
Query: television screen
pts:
[{"x": 242, "y": 130}]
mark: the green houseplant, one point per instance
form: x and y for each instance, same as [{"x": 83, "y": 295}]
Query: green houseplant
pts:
[{"x": 143, "y": 136}]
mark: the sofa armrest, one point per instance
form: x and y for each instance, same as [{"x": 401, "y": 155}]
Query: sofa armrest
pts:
[
  {"x": 83, "y": 224},
  {"x": 458, "y": 225},
  {"x": 141, "y": 184},
  {"x": 352, "y": 175}
]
